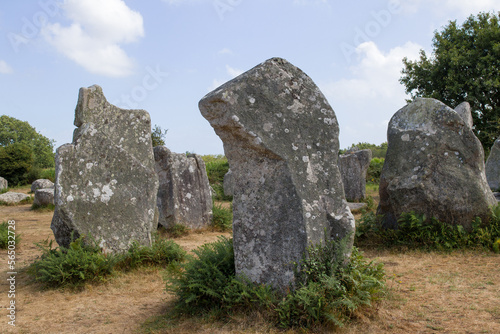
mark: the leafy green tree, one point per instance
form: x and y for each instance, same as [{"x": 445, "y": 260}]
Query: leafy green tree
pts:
[
  {"x": 16, "y": 161},
  {"x": 158, "y": 136},
  {"x": 378, "y": 151},
  {"x": 13, "y": 131},
  {"x": 464, "y": 66}
]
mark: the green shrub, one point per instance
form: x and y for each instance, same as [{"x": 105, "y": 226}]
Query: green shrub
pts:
[
  {"x": 416, "y": 231},
  {"x": 4, "y": 236},
  {"x": 332, "y": 288},
  {"x": 161, "y": 253},
  {"x": 43, "y": 208},
  {"x": 177, "y": 231},
  {"x": 84, "y": 261},
  {"x": 80, "y": 263},
  {"x": 374, "y": 170},
  {"x": 49, "y": 174},
  {"x": 217, "y": 166},
  {"x": 329, "y": 289},
  {"x": 16, "y": 161},
  {"x": 203, "y": 279},
  {"x": 222, "y": 218}
]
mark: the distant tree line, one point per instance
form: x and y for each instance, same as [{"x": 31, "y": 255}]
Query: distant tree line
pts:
[
  {"x": 378, "y": 151},
  {"x": 23, "y": 150}
]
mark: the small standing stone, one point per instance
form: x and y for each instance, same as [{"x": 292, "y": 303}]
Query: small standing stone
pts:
[
  {"x": 4, "y": 184},
  {"x": 280, "y": 136},
  {"x": 44, "y": 197},
  {"x": 493, "y": 167},
  {"x": 184, "y": 195},
  {"x": 353, "y": 167}
]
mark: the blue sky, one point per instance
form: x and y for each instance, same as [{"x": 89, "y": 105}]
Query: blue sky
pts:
[{"x": 165, "y": 55}]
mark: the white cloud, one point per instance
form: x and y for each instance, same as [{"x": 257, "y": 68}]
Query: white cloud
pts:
[
  {"x": 225, "y": 51},
  {"x": 472, "y": 7},
  {"x": 366, "y": 100},
  {"x": 465, "y": 7},
  {"x": 309, "y": 2},
  {"x": 5, "y": 68},
  {"x": 94, "y": 38},
  {"x": 231, "y": 73}
]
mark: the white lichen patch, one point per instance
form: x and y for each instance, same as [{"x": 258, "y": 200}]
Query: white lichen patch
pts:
[
  {"x": 251, "y": 100},
  {"x": 405, "y": 137},
  {"x": 89, "y": 165},
  {"x": 107, "y": 192},
  {"x": 267, "y": 127},
  {"x": 189, "y": 196},
  {"x": 329, "y": 121},
  {"x": 297, "y": 107}
]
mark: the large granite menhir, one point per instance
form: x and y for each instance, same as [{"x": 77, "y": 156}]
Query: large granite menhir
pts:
[
  {"x": 280, "y": 136},
  {"x": 184, "y": 196},
  {"x": 493, "y": 167},
  {"x": 353, "y": 167},
  {"x": 434, "y": 166},
  {"x": 105, "y": 183}
]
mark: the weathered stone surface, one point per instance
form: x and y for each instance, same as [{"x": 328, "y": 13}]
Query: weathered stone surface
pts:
[
  {"x": 356, "y": 206},
  {"x": 184, "y": 195},
  {"x": 434, "y": 166},
  {"x": 41, "y": 184},
  {"x": 13, "y": 198},
  {"x": 493, "y": 166},
  {"x": 44, "y": 197},
  {"x": 106, "y": 185},
  {"x": 464, "y": 110},
  {"x": 353, "y": 167},
  {"x": 280, "y": 136},
  {"x": 228, "y": 183},
  {"x": 4, "y": 184}
]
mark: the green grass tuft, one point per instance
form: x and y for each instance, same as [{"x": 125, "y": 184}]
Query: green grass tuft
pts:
[{"x": 222, "y": 219}]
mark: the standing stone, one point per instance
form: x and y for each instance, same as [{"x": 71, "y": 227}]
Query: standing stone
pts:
[
  {"x": 44, "y": 197},
  {"x": 434, "y": 166},
  {"x": 280, "y": 136},
  {"x": 4, "y": 184},
  {"x": 493, "y": 167},
  {"x": 106, "y": 185},
  {"x": 41, "y": 184},
  {"x": 228, "y": 183},
  {"x": 353, "y": 167},
  {"x": 184, "y": 195}
]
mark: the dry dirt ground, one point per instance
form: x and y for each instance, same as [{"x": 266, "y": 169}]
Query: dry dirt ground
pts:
[{"x": 457, "y": 292}]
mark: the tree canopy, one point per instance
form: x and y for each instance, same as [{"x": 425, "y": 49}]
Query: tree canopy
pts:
[
  {"x": 464, "y": 66},
  {"x": 158, "y": 136},
  {"x": 378, "y": 151},
  {"x": 13, "y": 131}
]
